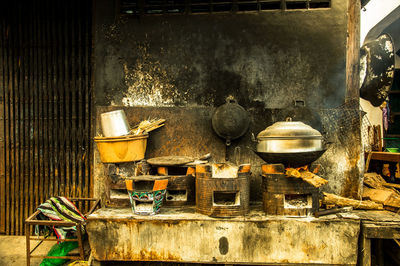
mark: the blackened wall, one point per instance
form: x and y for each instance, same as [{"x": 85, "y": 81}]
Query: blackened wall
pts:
[{"x": 267, "y": 61}]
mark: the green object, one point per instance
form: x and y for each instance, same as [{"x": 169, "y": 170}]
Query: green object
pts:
[
  {"x": 61, "y": 249},
  {"x": 392, "y": 149}
]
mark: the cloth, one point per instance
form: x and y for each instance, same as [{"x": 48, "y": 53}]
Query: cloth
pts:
[{"x": 62, "y": 209}]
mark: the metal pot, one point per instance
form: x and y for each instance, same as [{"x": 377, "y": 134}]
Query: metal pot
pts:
[
  {"x": 290, "y": 142},
  {"x": 230, "y": 120},
  {"x": 114, "y": 123}
]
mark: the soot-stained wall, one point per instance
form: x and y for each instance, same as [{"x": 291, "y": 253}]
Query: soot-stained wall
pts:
[{"x": 267, "y": 61}]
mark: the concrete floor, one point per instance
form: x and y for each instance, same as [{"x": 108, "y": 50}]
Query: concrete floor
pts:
[{"x": 13, "y": 250}]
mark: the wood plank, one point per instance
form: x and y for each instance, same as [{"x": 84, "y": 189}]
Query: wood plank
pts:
[
  {"x": 383, "y": 230},
  {"x": 386, "y": 197},
  {"x": 378, "y": 216},
  {"x": 307, "y": 176},
  {"x": 365, "y": 250},
  {"x": 385, "y": 156},
  {"x": 391, "y": 185},
  {"x": 353, "y": 51},
  {"x": 331, "y": 199}
]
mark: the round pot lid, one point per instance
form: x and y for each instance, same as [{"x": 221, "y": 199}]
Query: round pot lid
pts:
[
  {"x": 170, "y": 160},
  {"x": 289, "y": 130}
]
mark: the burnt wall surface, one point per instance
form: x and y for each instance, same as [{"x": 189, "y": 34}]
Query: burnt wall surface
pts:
[{"x": 267, "y": 61}]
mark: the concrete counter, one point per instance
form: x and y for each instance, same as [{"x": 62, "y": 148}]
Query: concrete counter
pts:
[{"x": 182, "y": 235}]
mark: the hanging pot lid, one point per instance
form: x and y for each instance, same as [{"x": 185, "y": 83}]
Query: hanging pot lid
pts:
[{"x": 289, "y": 130}]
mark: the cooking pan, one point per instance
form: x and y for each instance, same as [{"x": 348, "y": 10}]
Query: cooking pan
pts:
[
  {"x": 230, "y": 120},
  {"x": 294, "y": 159}
]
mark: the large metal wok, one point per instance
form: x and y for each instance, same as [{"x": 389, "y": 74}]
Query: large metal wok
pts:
[
  {"x": 294, "y": 159},
  {"x": 292, "y": 143}
]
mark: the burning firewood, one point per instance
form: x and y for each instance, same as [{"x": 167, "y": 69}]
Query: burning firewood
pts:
[
  {"x": 332, "y": 199},
  {"x": 306, "y": 175}
]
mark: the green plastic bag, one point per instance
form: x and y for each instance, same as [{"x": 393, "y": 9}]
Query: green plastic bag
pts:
[{"x": 61, "y": 249}]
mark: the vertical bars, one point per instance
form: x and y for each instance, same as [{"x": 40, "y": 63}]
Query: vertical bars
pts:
[{"x": 45, "y": 105}]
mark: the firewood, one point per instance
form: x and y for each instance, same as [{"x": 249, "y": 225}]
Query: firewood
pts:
[
  {"x": 356, "y": 204},
  {"x": 386, "y": 197},
  {"x": 307, "y": 176},
  {"x": 376, "y": 181}
]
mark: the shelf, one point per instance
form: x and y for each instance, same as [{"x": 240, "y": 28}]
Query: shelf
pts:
[
  {"x": 392, "y": 136},
  {"x": 384, "y": 156}
]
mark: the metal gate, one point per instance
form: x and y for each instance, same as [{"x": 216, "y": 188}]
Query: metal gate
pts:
[{"x": 45, "y": 105}]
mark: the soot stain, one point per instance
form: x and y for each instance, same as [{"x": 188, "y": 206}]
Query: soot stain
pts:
[{"x": 223, "y": 245}]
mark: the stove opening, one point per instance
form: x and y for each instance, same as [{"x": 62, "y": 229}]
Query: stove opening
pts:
[
  {"x": 176, "y": 195},
  {"x": 118, "y": 194},
  {"x": 143, "y": 206},
  {"x": 177, "y": 170},
  {"x": 226, "y": 198},
  {"x": 297, "y": 201},
  {"x": 143, "y": 185}
]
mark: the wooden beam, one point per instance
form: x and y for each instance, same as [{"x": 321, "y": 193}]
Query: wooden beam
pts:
[
  {"x": 385, "y": 156},
  {"x": 381, "y": 231},
  {"x": 353, "y": 51}
]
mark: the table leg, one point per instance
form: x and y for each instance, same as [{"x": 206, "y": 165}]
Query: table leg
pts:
[
  {"x": 365, "y": 251},
  {"x": 28, "y": 245}
]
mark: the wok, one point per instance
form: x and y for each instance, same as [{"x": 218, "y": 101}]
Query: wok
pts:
[{"x": 294, "y": 159}]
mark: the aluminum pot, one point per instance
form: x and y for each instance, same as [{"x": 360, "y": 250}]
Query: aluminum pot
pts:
[
  {"x": 289, "y": 136},
  {"x": 290, "y": 142},
  {"x": 114, "y": 124}
]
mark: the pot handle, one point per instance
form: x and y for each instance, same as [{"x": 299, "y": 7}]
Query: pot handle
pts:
[
  {"x": 253, "y": 138},
  {"x": 230, "y": 99}
]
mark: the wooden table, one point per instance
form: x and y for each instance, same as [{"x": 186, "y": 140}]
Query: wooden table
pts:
[{"x": 376, "y": 225}]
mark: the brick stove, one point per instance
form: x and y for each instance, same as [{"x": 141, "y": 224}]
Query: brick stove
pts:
[
  {"x": 285, "y": 195},
  {"x": 181, "y": 185},
  {"x": 222, "y": 196}
]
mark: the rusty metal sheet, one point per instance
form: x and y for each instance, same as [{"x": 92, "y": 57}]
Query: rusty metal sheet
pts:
[
  {"x": 181, "y": 235},
  {"x": 45, "y": 105}
]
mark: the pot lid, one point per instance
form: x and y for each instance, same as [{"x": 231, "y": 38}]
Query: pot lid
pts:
[{"x": 289, "y": 129}]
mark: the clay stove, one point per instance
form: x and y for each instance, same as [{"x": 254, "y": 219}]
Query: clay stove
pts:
[
  {"x": 181, "y": 187},
  {"x": 224, "y": 194},
  {"x": 286, "y": 195}
]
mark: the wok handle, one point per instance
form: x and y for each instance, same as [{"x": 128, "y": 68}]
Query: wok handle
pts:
[{"x": 253, "y": 138}]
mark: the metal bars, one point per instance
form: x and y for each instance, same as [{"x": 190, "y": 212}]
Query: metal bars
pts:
[
  {"x": 157, "y": 7},
  {"x": 45, "y": 105}
]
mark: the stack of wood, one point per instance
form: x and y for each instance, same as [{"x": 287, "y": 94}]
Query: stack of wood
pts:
[
  {"x": 377, "y": 193},
  {"x": 147, "y": 125},
  {"x": 378, "y": 190}
]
